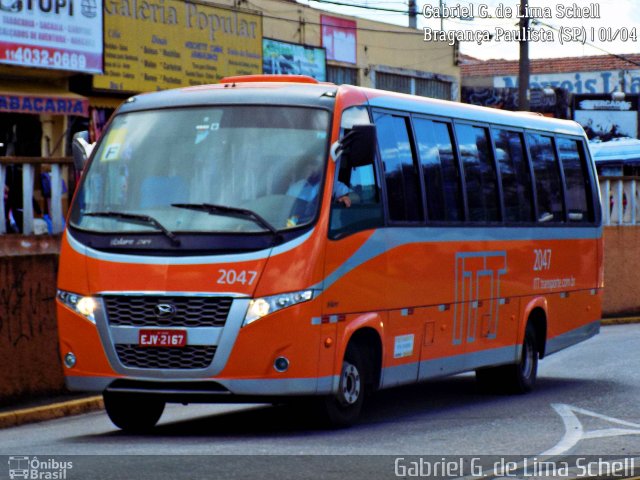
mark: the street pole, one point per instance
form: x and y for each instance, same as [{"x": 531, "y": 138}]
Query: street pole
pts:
[
  {"x": 523, "y": 73},
  {"x": 413, "y": 14}
]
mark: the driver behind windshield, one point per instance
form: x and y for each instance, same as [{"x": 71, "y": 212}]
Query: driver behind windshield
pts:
[{"x": 308, "y": 187}]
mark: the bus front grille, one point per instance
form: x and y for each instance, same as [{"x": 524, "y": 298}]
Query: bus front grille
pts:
[
  {"x": 142, "y": 311},
  {"x": 185, "y": 358}
]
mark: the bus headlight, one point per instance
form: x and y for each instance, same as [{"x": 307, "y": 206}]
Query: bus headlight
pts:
[
  {"x": 260, "y": 307},
  {"x": 85, "y": 306}
]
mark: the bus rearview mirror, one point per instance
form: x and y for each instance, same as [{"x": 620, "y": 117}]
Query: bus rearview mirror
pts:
[
  {"x": 81, "y": 149},
  {"x": 359, "y": 145}
]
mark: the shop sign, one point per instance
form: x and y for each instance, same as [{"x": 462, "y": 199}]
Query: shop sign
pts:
[
  {"x": 604, "y": 118},
  {"x": 154, "y": 45},
  {"x": 339, "y": 38},
  {"x": 285, "y": 58},
  {"x": 605, "y": 81},
  {"x": 43, "y": 104},
  {"x": 53, "y": 34}
]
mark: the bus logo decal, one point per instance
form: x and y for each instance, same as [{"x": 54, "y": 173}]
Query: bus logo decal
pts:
[
  {"x": 477, "y": 294},
  {"x": 164, "y": 310}
]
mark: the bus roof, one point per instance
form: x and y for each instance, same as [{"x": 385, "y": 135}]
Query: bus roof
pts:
[
  {"x": 265, "y": 90},
  {"x": 262, "y": 93}
]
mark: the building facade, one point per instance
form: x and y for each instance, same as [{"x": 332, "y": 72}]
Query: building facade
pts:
[{"x": 600, "y": 92}]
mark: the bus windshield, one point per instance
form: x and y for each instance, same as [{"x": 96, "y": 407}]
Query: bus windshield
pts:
[{"x": 206, "y": 169}]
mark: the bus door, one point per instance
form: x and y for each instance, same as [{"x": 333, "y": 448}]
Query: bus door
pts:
[
  {"x": 356, "y": 283},
  {"x": 356, "y": 264}
]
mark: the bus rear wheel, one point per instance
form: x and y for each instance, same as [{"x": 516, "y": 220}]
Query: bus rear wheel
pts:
[
  {"x": 519, "y": 377},
  {"x": 342, "y": 409},
  {"x": 523, "y": 374},
  {"x": 132, "y": 413}
]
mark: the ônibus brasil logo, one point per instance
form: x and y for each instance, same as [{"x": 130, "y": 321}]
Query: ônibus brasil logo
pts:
[{"x": 35, "y": 469}]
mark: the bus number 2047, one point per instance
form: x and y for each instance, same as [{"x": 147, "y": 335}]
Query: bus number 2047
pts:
[
  {"x": 231, "y": 277},
  {"x": 543, "y": 259}
]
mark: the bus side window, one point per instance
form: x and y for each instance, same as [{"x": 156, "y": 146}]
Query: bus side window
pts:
[
  {"x": 400, "y": 169},
  {"x": 365, "y": 211},
  {"x": 479, "y": 173},
  {"x": 515, "y": 174},
  {"x": 576, "y": 178},
  {"x": 441, "y": 175},
  {"x": 547, "y": 175}
]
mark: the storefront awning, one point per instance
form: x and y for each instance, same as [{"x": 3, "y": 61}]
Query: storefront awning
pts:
[{"x": 43, "y": 99}]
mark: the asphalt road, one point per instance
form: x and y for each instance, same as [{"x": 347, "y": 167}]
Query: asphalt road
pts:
[{"x": 585, "y": 403}]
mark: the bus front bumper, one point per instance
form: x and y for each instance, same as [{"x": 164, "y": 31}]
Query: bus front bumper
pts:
[{"x": 214, "y": 391}]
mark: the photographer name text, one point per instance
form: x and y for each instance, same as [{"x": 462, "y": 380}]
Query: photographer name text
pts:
[
  {"x": 580, "y": 467},
  {"x": 541, "y": 32}
]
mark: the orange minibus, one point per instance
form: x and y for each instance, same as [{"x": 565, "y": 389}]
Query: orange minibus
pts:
[{"x": 273, "y": 238}]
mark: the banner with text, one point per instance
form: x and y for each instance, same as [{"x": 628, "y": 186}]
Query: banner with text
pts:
[
  {"x": 169, "y": 43},
  {"x": 59, "y": 35}
]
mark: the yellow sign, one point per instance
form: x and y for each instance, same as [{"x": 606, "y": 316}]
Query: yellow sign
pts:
[{"x": 159, "y": 44}]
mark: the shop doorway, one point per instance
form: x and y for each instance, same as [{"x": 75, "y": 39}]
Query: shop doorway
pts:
[{"x": 20, "y": 136}]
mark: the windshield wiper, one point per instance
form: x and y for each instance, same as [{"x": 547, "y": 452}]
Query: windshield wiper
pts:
[
  {"x": 136, "y": 217},
  {"x": 236, "y": 212}
]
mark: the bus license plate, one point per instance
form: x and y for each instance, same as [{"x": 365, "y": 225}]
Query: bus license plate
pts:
[{"x": 162, "y": 338}]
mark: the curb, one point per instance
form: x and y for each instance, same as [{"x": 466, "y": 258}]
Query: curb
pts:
[
  {"x": 49, "y": 412},
  {"x": 619, "y": 320}
]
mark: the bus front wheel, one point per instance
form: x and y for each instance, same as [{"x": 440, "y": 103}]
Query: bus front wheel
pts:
[
  {"x": 343, "y": 408},
  {"x": 132, "y": 413}
]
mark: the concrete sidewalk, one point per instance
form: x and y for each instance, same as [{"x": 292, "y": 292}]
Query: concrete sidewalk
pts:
[{"x": 49, "y": 409}]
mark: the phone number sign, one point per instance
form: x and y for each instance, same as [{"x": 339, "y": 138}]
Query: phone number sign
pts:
[{"x": 55, "y": 34}]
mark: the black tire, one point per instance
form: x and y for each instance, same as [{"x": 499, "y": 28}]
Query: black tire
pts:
[
  {"x": 343, "y": 408},
  {"x": 523, "y": 374},
  {"x": 516, "y": 378},
  {"x": 133, "y": 413}
]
